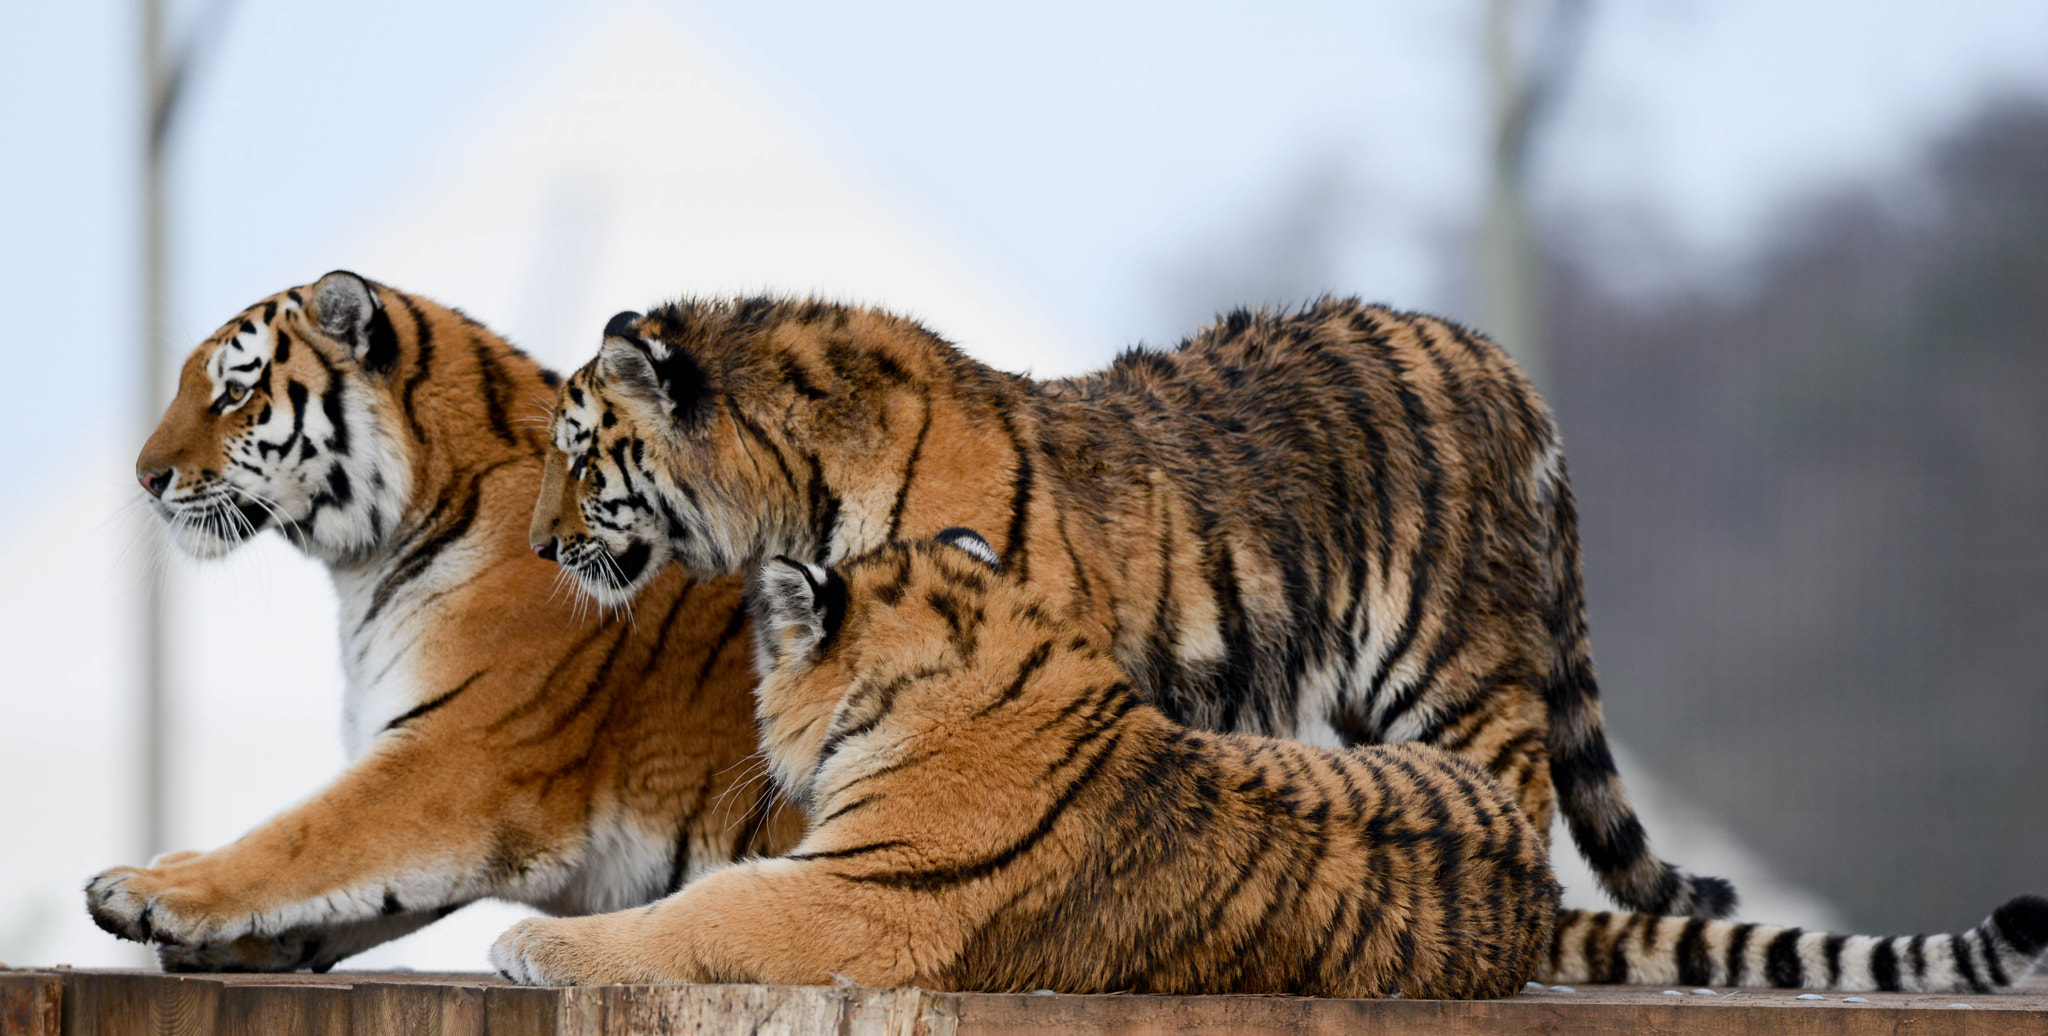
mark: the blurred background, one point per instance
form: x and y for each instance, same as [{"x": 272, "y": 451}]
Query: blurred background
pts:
[{"x": 1781, "y": 269}]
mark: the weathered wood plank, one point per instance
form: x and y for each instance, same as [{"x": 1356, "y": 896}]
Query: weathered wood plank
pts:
[
  {"x": 120, "y": 1003},
  {"x": 778, "y": 1010},
  {"x": 545, "y": 1011},
  {"x": 1144, "y": 1016},
  {"x": 268, "y": 1010},
  {"x": 86, "y": 1003},
  {"x": 417, "y": 1009},
  {"x": 30, "y": 1004}
]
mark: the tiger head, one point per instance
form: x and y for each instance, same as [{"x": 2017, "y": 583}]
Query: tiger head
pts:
[
  {"x": 710, "y": 434},
  {"x": 274, "y": 424},
  {"x": 938, "y": 609}
]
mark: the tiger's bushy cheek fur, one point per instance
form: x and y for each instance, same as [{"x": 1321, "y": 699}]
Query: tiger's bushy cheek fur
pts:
[
  {"x": 271, "y": 428},
  {"x": 635, "y": 506}
]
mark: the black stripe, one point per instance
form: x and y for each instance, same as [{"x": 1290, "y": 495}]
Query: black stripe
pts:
[
  {"x": 910, "y": 470},
  {"x": 380, "y": 342},
  {"x": 1884, "y": 967},
  {"x": 1593, "y": 948},
  {"x": 414, "y": 564},
  {"x": 428, "y": 706},
  {"x": 1032, "y": 663},
  {"x": 1738, "y": 945},
  {"x": 668, "y": 625},
  {"x": 423, "y": 358},
  {"x": 938, "y": 878},
  {"x": 539, "y": 697},
  {"x": 1996, "y": 969},
  {"x": 1015, "y": 557},
  {"x": 725, "y": 637},
  {"x": 1695, "y": 968},
  {"x": 864, "y": 800},
  {"x": 592, "y": 690},
  {"x": 330, "y": 404},
  {"x": 760, "y": 435},
  {"x": 824, "y": 507},
  {"x": 858, "y": 850},
  {"x": 884, "y": 698},
  {"x": 679, "y": 863},
  {"x": 1961, "y": 952},
  {"x": 1424, "y": 556},
  {"x": 757, "y": 821},
  {"x": 1831, "y": 949},
  {"x": 1781, "y": 961},
  {"x": 495, "y": 383},
  {"x": 1617, "y": 954}
]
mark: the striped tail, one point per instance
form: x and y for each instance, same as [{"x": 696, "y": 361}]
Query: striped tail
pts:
[
  {"x": 1639, "y": 949},
  {"x": 1589, "y": 791}
]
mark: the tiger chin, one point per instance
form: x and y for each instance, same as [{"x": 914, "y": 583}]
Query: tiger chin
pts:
[
  {"x": 993, "y": 808},
  {"x": 500, "y": 743}
]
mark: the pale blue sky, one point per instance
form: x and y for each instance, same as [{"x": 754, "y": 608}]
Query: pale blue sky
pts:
[{"x": 1090, "y": 150}]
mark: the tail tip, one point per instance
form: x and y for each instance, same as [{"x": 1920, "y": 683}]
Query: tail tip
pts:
[
  {"x": 1713, "y": 898},
  {"x": 2023, "y": 923}
]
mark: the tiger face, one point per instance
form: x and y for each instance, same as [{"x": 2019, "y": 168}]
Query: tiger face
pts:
[
  {"x": 275, "y": 425},
  {"x": 665, "y": 452}
]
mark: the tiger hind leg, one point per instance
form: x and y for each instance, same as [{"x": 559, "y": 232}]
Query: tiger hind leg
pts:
[{"x": 778, "y": 922}]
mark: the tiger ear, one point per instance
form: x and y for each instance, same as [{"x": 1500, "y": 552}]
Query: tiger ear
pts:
[
  {"x": 346, "y": 308},
  {"x": 970, "y": 541},
  {"x": 797, "y": 607},
  {"x": 649, "y": 368}
]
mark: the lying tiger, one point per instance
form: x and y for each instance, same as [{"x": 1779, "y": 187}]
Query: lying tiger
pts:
[
  {"x": 502, "y": 743},
  {"x": 992, "y": 808}
]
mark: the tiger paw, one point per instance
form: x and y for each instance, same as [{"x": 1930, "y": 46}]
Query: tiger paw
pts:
[
  {"x": 569, "y": 951},
  {"x": 150, "y": 906},
  {"x": 289, "y": 951}
]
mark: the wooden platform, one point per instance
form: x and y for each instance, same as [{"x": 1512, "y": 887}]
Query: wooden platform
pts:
[{"x": 118, "y": 1003}]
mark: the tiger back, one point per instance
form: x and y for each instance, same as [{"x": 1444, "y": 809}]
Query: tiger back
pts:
[{"x": 992, "y": 807}]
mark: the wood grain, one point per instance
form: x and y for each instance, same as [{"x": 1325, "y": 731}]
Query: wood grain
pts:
[
  {"x": 89, "y": 1003},
  {"x": 30, "y": 1004}
]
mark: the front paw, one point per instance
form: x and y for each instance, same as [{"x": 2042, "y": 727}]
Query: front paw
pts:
[
  {"x": 143, "y": 906},
  {"x": 288, "y": 951},
  {"x": 568, "y": 951}
]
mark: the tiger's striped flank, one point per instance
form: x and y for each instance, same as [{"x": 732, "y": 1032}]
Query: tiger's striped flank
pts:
[{"x": 992, "y": 807}]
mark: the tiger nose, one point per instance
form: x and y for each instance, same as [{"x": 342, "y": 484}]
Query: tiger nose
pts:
[
  {"x": 546, "y": 549},
  {"x": 154, "y": 482}
]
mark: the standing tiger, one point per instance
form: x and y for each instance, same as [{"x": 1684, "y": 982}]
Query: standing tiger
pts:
[
  {"x": 1343, "y": 524},
  {"x": 501, "y": 743},
  {"x": 992, "y": 807}
]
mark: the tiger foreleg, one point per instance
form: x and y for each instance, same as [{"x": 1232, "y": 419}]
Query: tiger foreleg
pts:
[
  {"x": 780, "y": 922},
  {"x": 406, "y": 834}
]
